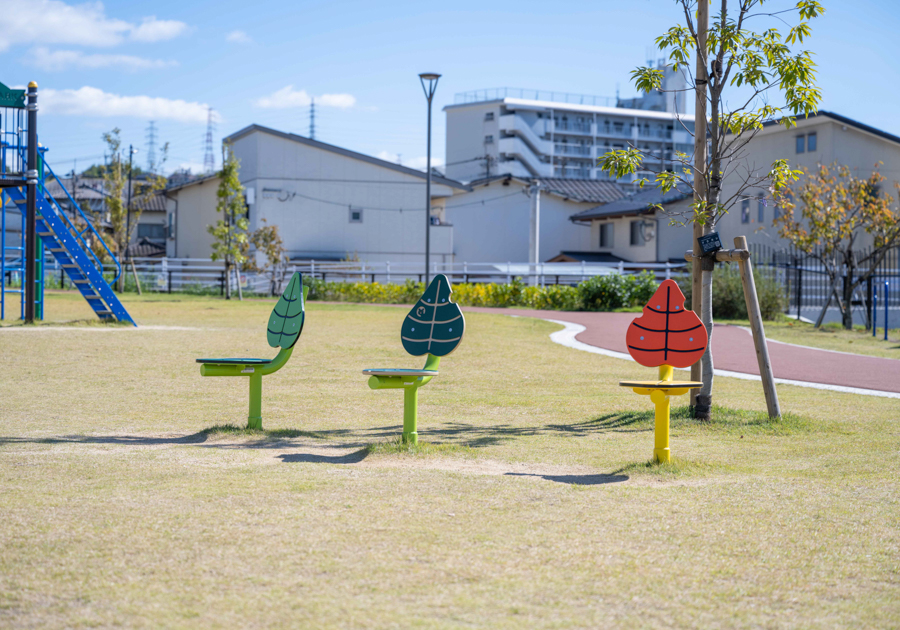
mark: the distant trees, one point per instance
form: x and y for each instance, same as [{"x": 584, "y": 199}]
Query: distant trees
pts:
[
  {"x": 230, "y": 238},
  {"x": 117, "y": 197},
  {"x": 835, "y": 208}
]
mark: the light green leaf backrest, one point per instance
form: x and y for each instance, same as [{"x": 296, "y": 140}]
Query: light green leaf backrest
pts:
[{"x": 286, "y": 320}]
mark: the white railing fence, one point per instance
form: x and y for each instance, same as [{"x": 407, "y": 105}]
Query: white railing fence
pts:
[{"x": 205, "y": 276}]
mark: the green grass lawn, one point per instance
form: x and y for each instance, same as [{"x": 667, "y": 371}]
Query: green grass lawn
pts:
[{"x": 130, "y": 499}]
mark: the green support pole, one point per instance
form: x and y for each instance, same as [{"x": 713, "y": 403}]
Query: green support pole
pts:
[
  {"x": 254, "y": 419},
  {"x": 410, "y": 414}
]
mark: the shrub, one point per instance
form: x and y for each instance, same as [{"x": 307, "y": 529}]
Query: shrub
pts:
[
  {"x": 728, "y": 294},
  {"x": 612, "y": 291},
  {"x": 602, "y": 293}
]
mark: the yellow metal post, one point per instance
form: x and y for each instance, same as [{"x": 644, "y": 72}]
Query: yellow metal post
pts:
[{"x": 660, "y": 399}]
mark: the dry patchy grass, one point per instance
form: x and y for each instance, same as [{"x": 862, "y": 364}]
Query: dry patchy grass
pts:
[{"x": 133, "y": 497}]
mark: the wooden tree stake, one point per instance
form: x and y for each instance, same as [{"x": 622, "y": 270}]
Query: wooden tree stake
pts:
[
  {"x": 759, "y": 334},
  {"x": 134, "y": 273}
]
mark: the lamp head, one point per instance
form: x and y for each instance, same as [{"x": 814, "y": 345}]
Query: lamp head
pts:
[{"x": 429, "y": 82}]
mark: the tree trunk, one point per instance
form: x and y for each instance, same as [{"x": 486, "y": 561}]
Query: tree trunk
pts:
[
  {"x": 227, "y": 279},
  {"x": 703, "y": 407},
  {"x": 847, "y": 314}
]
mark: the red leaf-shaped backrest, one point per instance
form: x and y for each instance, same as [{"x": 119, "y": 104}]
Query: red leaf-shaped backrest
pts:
[{"x": 666, "y": 334}]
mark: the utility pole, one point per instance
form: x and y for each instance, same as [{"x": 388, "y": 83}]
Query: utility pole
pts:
[
  {"x": 31, "y": 182},
  {"x": 312, "y": 119},
  {"x": 700, "y": 168},
  {"x": 534, "y": 237}
]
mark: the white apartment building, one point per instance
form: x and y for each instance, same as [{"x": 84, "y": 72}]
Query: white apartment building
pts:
[{"x": 532, "y": 133}]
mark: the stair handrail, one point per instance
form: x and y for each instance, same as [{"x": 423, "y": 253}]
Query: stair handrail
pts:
[{"x": 87, "y": 221}]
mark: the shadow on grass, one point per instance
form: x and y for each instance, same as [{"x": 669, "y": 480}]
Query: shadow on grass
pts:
[
  {"x": 576, "y": 480},
  {"x": 309, "y": 458},
  {"x": 622, "y": 422},
  {"x": 452, "y": 435}
]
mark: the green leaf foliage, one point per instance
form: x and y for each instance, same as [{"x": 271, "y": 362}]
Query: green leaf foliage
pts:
[
  {"x": 435, "y": 325},
  {"x": 286, "y": 320}
]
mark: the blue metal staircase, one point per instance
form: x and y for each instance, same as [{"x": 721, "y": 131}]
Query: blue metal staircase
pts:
[{"x": 62, "y": 239}]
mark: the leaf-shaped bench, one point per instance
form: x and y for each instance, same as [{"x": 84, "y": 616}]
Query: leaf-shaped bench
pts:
[
  {"x": 283, "y": 331},
  {"x": 665, "y": 336},
  {"x": 434, "y": 327}
]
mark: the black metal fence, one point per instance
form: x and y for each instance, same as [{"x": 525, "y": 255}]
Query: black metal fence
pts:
[{"x": 807, "y": 285}]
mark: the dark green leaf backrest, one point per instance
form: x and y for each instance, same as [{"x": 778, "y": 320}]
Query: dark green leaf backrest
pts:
[
  {"x": 286, "y": 320},
  {"x": 435, "y": 325}
]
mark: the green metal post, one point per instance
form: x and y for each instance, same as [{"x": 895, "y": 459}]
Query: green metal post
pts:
[
  {"x": 410, "y": 414},
  {"x": 254, "y": 420}
]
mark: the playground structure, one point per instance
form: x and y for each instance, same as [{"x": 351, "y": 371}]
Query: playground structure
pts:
[
  {"x": 665, "y": 336},
  {"x": 68, "y": 234},
  {"x": 283, "y": 330},
  {"x": 433, "y": 327}
]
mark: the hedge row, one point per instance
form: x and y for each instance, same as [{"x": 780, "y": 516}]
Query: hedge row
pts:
[{"x": 600, "y": 293}]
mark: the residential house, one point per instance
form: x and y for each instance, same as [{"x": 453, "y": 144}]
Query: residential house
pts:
[
  {"x": 329, "y": 203},
  {"x": 492, "y": 221}
]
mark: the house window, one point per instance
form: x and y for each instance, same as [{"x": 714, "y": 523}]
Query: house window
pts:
[
  {"x": 151, "y": 231},
  {"x": 606, "y": 235},
  {"x": 355, "y": 215},
  {"x": 171, "y": 225},
  {"x": 636, "y": 238},
  {"x": 745, "y": 211},
  {"x": 489, "y": 139},
  {"x": 801, "y": 142},
  {"x": 489, "y": 116},
  {"x": 761, "y": 208},
  {"x": 811, "y": 142}
]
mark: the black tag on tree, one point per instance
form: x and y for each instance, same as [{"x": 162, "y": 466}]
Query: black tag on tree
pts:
[{"x": 710, "y": 243}]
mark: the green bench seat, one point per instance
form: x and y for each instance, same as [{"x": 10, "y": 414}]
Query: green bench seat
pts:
[
  {"x": 434, "y": 327},
  {"x": 283, "y": 331}
]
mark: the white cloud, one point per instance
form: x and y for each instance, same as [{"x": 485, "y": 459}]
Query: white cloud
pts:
[
  {"x": 91, "y": 101},
  {"x": 288, "y": 97},
  {"x": 238, "y": 37},
  {"x": 56, "y": 60},
  {"x": 55, "y": 22},
  {"x": 152, "y": 30}
]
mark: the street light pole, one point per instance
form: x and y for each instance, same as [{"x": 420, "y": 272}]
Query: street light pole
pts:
[{"x": 429, "y": 88}]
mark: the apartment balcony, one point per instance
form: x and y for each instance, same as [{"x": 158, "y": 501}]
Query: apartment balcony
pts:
[
  {"x": 517, "y": 126},
  {"x": 572, "y": 149},
  {"x": 654, "y": 134},
  {"x": 572, "y": 173},
  {"x": 516, "y": 147},
  {"x": 680, "y": 136},
  {"x": 573, "y": 128},
  {"x": 613, "y": 132}
]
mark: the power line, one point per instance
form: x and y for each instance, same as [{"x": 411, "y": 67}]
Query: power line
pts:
[{"x": 291, "y": 195}]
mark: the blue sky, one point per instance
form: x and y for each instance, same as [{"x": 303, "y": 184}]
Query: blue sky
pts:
[{"x": 122, "y": 64}]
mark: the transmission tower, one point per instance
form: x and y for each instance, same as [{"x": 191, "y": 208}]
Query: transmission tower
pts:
[
  {"x": 151, "y": 147},
  {"x": 209, "y": 158},
  {"x": 312, "y": 119}
]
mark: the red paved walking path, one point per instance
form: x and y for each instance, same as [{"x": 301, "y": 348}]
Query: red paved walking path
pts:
[{"x": 798, "y": 363}]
